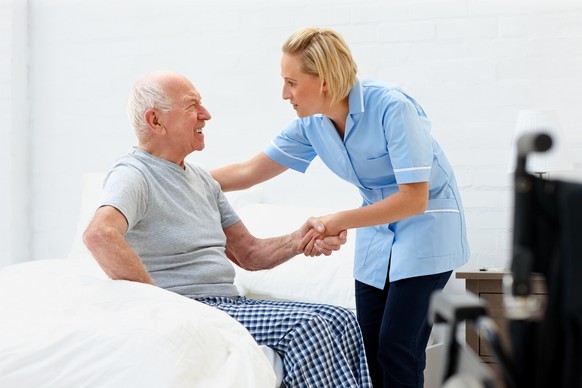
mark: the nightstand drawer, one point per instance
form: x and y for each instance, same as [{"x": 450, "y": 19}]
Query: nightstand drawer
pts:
[
  {"x": 489, "y": 286},
  {"x": 495, "y": 311}
]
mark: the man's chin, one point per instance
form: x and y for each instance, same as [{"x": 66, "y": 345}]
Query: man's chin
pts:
[{"x": 199, "y": 148}]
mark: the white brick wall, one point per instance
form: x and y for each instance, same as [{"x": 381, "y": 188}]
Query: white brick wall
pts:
[
  {"x": 471, "y": 63},
  {"x": 5, "y": 157},
  {"x": 14, "y": 158}
]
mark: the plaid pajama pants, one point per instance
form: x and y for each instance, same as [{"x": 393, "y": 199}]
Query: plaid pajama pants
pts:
[{"x": 321, "y": 345}]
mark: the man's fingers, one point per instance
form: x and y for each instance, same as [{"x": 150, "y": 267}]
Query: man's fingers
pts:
[{"x": 309, "y": 248}]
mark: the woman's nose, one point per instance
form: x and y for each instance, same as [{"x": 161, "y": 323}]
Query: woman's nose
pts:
[{"x": 285, "y": 94}]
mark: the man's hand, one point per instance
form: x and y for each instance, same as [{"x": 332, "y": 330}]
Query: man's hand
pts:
[{"x": 316, "y": 241}]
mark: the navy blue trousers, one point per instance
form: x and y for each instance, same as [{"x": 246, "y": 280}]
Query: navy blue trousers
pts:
[{"x": 395, "y": 328}]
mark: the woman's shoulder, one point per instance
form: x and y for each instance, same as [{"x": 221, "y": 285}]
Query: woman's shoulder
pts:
[
  {"x": 383, "y": 90},
  {"x": 386, "y": 96}
]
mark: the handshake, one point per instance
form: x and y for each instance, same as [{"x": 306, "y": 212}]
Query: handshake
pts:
[{"x": 318, "y": 237}]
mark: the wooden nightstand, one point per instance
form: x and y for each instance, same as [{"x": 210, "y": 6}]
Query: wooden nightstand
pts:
[{"x": 489, "y": 286}]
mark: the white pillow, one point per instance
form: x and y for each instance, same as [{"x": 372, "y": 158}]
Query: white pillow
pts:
[{"x": 323, "y": 279}]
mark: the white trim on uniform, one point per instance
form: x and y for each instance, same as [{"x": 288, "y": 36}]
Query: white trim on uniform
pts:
[
  {"x": 289, "y": 155},
  {"x": 412, "y": 169},
  {"x": 443, "y": 211}
]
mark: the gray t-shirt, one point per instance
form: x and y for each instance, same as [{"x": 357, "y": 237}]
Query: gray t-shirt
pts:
[{"x": 176, "y": 218}]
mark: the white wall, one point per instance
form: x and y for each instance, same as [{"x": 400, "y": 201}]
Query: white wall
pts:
[
  {"x": 471, "y": 63},
  {"x": 14, "y": 131}
]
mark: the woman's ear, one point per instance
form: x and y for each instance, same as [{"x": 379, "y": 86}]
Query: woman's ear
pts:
[{"x": 324, "y": 86}]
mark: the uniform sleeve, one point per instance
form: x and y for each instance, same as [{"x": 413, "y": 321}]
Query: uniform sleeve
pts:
[
  {"x": 126, "y": 190},
  {"x": 291, "y": 148},
  {"x": 407, "y": 132}
]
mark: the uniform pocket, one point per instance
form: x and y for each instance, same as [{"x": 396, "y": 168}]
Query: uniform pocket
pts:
[
  {"x": 373, "y": 170},
  {"x": 373, "y": 247},
  {"x": 436, "y": 232}
]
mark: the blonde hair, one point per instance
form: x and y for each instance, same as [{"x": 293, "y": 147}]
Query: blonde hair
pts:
[{"x": 324, "y": 53}]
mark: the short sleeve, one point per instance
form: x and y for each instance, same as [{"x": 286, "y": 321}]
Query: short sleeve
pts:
[
  {"x": 228, "y": 216},
  {"x": 291, "y": 148},
  {"x": 407, "y": 132},
  {"x": 125, "y": 189}
]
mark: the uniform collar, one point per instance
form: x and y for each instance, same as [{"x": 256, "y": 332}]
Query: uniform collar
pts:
[
  {"x": 356, "y": 98},
  {"x": 356, "y": 107}
]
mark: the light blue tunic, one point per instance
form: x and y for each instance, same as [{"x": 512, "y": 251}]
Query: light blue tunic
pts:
[{"x": 387, "y": 142}]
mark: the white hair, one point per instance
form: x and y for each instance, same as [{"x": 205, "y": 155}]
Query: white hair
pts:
[{"x": 145, "y": 94}]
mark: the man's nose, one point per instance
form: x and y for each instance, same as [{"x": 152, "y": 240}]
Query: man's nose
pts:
[{"x": 204, "y": 114}]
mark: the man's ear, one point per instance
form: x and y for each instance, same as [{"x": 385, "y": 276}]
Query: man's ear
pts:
[{"x": 153, "y": 120}]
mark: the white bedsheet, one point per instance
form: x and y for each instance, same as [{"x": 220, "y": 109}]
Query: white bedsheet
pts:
[{"x": 64, "y": 324}]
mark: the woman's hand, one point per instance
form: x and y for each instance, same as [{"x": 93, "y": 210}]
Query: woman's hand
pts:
[{"x": 317, "y": 240}]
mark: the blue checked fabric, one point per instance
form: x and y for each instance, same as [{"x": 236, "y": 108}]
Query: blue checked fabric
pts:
[{"x": 321, "y": 345}]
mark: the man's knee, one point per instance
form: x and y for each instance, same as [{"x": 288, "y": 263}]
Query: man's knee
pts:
[{"x": 343, "y": 322}]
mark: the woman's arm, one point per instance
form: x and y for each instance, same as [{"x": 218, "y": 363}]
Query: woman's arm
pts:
[
  {"x": 411, "y": 199},
  {"x": 239, "y": 176}
]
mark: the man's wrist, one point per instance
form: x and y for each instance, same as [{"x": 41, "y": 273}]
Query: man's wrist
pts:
[{"x": 295, "y": 242}]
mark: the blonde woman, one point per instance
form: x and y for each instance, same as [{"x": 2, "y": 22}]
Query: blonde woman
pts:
[{"x": 410, "y": 228}]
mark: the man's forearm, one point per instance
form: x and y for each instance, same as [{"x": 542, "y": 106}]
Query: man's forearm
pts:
[
  {"x": 255, "y": 253},
  {"x": 271, "y": 252},
  {"x": 116, "y": 257},
  {"x": 125, "y": 267}
]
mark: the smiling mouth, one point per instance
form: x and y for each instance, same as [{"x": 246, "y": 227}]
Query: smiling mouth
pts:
[{"x": 199, "y": 130}]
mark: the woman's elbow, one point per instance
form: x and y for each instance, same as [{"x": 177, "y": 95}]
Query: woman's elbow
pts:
[{"x": 421, "y": 205}]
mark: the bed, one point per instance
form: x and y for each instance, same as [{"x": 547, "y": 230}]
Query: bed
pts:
[{"x": 65, "y": 324}]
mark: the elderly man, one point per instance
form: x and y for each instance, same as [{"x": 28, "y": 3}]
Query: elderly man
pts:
[{"x": 165, "y": 221}]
